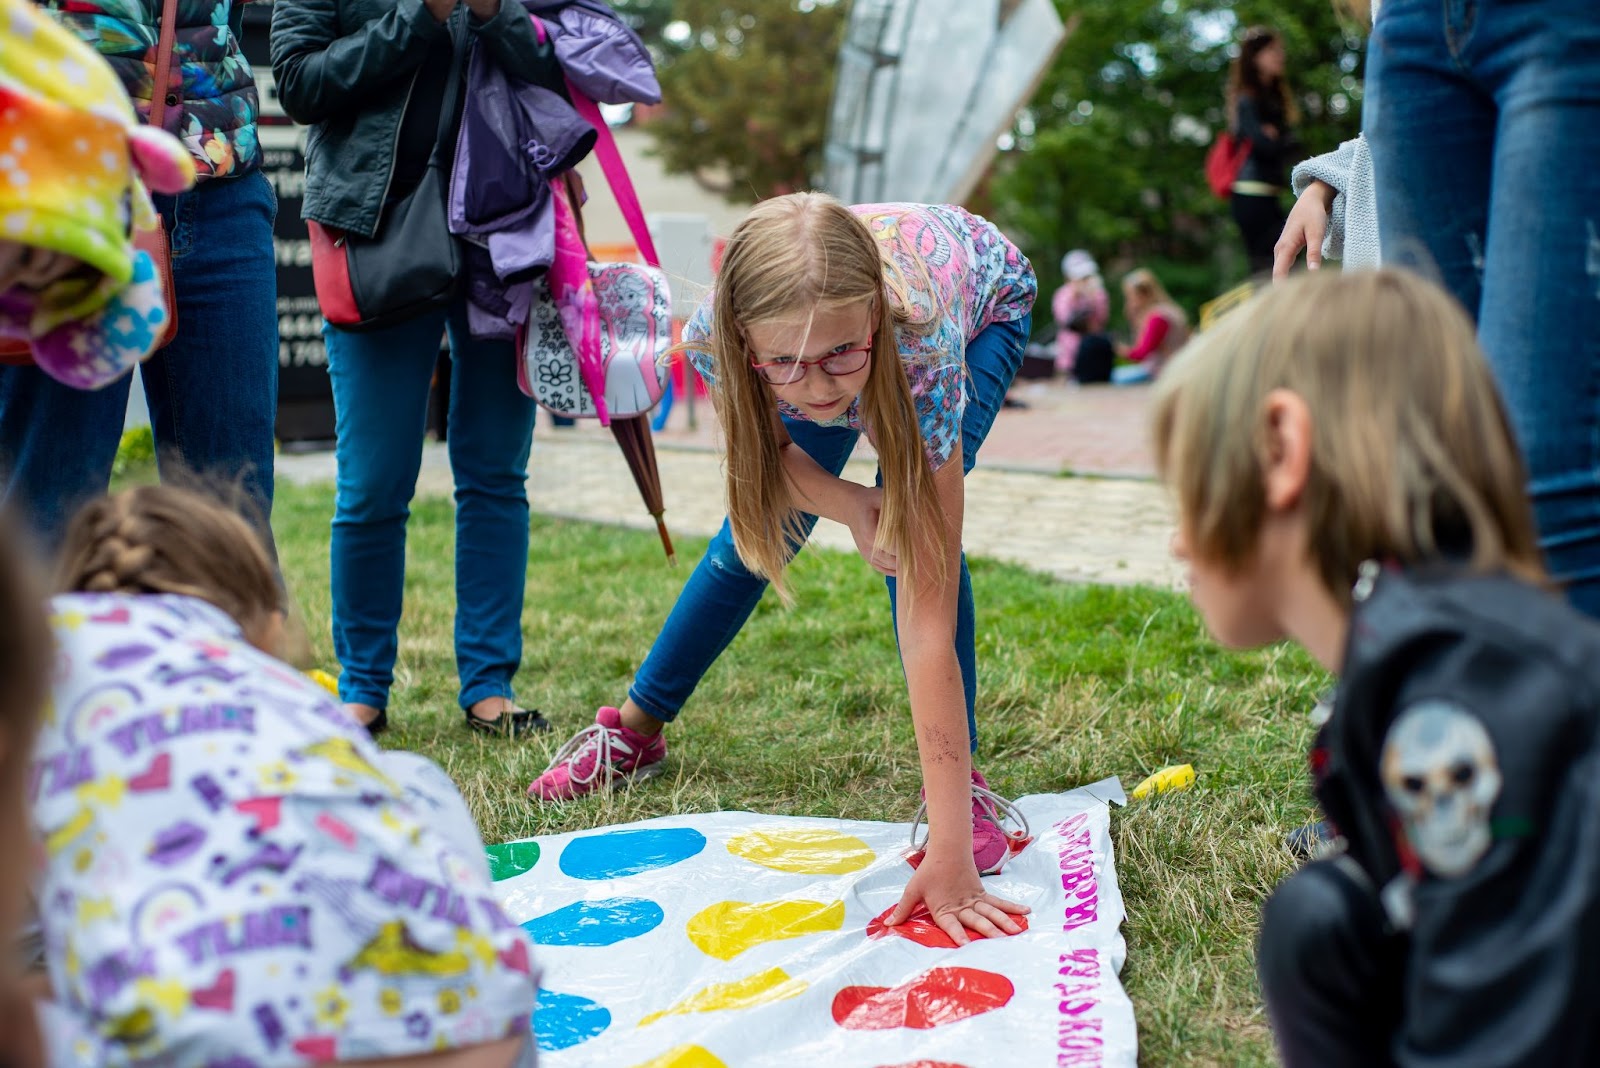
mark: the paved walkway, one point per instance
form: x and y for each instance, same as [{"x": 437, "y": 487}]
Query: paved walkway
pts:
[{"x": 1085, "y": 529}]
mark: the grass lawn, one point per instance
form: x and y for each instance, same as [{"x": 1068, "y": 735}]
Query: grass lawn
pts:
[{"x": 806, "y": 714}]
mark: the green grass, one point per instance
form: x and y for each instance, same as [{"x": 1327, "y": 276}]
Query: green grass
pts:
[{"x": 806, "y": 714}]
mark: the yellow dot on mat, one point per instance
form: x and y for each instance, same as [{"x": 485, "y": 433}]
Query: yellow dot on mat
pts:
[
  {"x": 684, "y": 1057},
  {"x": 762, "y": 988},
  {"x": 728, "y": 928},
  {"x": 805, "y": 851}
]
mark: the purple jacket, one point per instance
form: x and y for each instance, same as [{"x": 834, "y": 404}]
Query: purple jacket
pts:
[{"x": 515, "y": 137}]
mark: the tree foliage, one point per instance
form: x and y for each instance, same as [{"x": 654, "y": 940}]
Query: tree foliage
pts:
[
  {"x": 1109, "y": 155},
  {"x": 747, "y": 89}
]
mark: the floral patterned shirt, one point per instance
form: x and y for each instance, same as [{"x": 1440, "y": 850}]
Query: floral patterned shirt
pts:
[
  {"x": 216, "y": 116},
  {"x": 231, "y": 877},
  {"x": 962, "y": 275}
]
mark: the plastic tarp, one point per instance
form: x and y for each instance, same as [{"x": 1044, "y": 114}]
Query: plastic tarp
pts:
[{"x": 737, "y": 939}]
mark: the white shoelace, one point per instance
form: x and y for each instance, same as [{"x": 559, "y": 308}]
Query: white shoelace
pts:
[
  {"x": 1000, "y": 810},
  {"x": 603, "y": 741}
]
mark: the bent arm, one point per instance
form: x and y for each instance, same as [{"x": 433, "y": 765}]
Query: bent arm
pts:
[
  {"x": 322, "y": 74},
  {"x": 1155, "y": 332}
]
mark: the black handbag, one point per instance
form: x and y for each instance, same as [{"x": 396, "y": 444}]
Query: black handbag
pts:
[{"x": 413, "y": 264}]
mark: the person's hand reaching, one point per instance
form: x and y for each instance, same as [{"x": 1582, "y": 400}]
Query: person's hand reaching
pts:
[{"x": 1305, "y": 228}]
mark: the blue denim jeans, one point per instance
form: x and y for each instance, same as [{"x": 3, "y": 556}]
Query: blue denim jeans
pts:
[
  {"x": 1483, "y": 117},
  {"x": 213, "y": 392},
  {"x": 380, "y": 400},
  {"x": 721, "y": 593}
]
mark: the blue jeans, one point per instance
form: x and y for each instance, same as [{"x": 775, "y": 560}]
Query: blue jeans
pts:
[
  {"x": 380, "y": 400},
  {"x": 1483, "y": 117},
  {"x": 213, "y": 392},
  {"x": 721, "y": 593}
]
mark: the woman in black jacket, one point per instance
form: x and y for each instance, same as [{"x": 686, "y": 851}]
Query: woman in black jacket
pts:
[
  {"x": 371, "y": 78},
  {"x": 1261, "y": 112}
]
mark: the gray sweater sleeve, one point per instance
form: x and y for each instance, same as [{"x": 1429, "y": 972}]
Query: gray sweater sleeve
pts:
[{"x": 1334, "y": 168}]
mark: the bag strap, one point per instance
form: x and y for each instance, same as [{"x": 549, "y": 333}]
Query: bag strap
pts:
[
  {"x": 452, "y": 92},
  {"x": 616, "y": 171},
  {"x": 166, "y": 38}
]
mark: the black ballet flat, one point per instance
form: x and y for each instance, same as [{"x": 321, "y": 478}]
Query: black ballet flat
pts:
[{"x": 512, "y": 723}]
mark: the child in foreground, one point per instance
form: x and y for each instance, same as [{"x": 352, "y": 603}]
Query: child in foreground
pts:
[
  {"x": 1346, "y": 477},
  {"x": 236, "y": 874}
]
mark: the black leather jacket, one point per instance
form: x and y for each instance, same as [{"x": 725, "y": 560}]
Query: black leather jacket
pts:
[
  {"x": 347, "y": 68},
  {"x": 1462, "y": 764}
]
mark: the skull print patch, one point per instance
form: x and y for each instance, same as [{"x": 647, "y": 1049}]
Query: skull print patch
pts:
[{"x": 1441, "y": 774}]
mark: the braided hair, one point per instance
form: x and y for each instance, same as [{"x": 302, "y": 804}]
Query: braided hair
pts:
[{"x": 163, "y": 539}]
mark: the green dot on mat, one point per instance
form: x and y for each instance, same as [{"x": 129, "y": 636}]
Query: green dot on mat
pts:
[{"x": 512, "y": 859}]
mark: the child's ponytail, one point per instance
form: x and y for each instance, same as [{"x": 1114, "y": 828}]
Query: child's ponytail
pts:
[{"x": 161, "y": 539}]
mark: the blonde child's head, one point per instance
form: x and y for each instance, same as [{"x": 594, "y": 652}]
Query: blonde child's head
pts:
[
  {"x": 1142, "y": 290},
  {"x": 1360, "y": 406},
  {"x": 801, "y": 269},
  {"x": 163, "y": 539}
]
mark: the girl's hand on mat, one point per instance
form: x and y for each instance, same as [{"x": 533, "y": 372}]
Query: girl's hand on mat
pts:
[
  {"x": 864, "y": 529},
  {"x": 949, "y": 885}
]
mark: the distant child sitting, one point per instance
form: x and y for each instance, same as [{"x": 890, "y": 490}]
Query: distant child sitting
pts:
[
  {"x": 1346, "y": 478},
  {"x": 1160, "y": 328},
  {"x": 236, "y": 875}
]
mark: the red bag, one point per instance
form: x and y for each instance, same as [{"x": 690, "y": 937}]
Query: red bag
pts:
[{"x": 1224, "y": 160}]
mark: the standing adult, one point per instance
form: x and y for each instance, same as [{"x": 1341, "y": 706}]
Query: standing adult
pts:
[
  {"x": 371, "y": 78},
  {"x": 1261, "y": 112},
  {"x": 1482, "y": 120},
  {"x": 213, "y": 391}
]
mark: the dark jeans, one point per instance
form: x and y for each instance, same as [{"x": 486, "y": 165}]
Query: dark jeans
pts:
[
  {"x": 1483, "y": 117},
  {"x": 721, "y": 593},
  {"x": 380, "y": 398},
  {"x": 1260, "y": 220},
  {"x": 1331, "y": 972},
  {"x": 213, "y": 392}
]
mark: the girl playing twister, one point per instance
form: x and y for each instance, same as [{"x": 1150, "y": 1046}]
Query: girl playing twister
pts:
[
  {"x": 1346, "y": 477},
  {"x": 235, "y": 873},
  {"x": 905, "y": 322}
]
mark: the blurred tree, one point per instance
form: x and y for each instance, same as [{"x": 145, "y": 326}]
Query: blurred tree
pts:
[
  {"x": 746, "y": 87},
  {"x": 1109, "y": 155}
]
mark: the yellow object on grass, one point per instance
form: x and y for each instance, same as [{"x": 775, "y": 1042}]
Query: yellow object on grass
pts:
[
  {"x": 1177, "y": 777},
  {"x": 325, "y": 680}
]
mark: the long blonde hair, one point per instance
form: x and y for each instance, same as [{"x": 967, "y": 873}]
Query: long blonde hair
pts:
[
  {"x": 791, "y": 257},
  {"x": 164, "y": 539},
  {"x": 1412, "y": 456}
]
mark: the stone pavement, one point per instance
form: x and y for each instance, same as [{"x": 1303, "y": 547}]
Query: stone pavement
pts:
[{"x": 1018, "y": 508}]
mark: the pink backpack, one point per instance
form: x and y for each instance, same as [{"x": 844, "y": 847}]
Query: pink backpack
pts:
[{"x": 595, "y": 348}]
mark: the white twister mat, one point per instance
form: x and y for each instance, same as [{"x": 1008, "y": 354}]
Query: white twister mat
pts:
[{"x": 735, "y": 939}]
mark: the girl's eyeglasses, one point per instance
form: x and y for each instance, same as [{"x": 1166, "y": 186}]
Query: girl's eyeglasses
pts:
[{"x": 787, "y": 370}]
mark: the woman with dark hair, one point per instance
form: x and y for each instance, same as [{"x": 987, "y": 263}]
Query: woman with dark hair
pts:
[{"x": 1261, "y": 112}]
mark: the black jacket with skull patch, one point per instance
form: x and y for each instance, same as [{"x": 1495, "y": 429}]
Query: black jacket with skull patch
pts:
[{"x": 1461, "y": 764}]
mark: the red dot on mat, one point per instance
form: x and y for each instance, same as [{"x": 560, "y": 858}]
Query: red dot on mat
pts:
[
  {"x": 938, "y": 996},
  {"x": 921, "y": 929}
]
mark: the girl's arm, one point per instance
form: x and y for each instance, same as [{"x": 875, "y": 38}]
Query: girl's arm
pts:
[
  {"x": 813, "y": 489},
  {"x": 947, "y": 881},
  {"x": 1155, "y": 332}
]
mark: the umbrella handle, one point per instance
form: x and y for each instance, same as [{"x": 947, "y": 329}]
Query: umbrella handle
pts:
[{"x": 666, "y": 540}]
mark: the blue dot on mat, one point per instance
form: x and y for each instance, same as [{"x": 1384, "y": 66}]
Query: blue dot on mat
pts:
[
  {"x": 561, "y": 1021},
  {"x": 619, "y": 853},
  {"x": 595, "y": 923}
]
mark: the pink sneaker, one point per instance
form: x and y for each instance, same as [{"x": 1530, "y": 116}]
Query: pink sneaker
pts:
[
  {"x": 992, "y": 844},
  {"x": 600, "y": 755}
]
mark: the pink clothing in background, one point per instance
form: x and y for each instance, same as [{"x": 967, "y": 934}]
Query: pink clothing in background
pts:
[{"x": 1087, "y": 298}]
